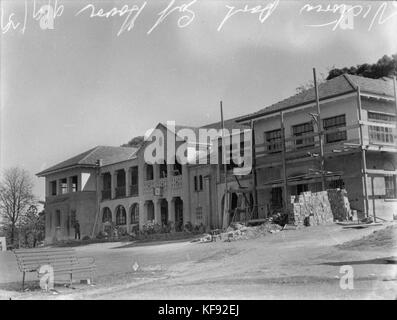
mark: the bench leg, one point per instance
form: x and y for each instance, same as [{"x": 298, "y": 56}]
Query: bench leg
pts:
[{"x": 23, "y": 280}]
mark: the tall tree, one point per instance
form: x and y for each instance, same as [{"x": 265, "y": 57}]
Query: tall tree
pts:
[{"x": 16, "y": 197}]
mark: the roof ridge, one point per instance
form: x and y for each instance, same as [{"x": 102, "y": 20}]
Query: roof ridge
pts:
[
  {"x": 350, "y": 81},
  {"x": 89, "y": 153}
]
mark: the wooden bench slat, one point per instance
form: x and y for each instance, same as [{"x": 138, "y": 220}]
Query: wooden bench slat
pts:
[
  {"x": 37, "y": 251},
  {"x": 44, "y": 254},
  {"x": 63, "y": 261},
  {"x": 46, "y": 258}
]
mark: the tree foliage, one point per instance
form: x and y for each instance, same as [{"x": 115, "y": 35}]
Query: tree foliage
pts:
[
  {"x": 384, "y": 67},
  {"x": 31, "y": 228},
  {"x": 16, "y": 197},
  {"x": 135, "y": 142}
]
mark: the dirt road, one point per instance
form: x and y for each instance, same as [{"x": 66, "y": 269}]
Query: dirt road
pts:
[{"x": 294, "y": 264}]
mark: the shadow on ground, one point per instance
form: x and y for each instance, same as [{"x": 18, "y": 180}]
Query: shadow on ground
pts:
[
  {"x": 143, "y": 243},
  {"x": 386, "y": 260}
]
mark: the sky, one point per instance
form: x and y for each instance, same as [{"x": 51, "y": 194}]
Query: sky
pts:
[{"x": 80, "y": 83}]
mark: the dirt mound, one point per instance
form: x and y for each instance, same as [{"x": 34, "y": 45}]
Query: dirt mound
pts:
[{"x": 380, "y": 239}]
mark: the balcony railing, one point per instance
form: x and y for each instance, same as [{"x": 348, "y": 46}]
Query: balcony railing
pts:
[
  {"x": 120, "y": 192},
  {"x": 134, "y": 191},
  {"x": 106, "y": 194}
]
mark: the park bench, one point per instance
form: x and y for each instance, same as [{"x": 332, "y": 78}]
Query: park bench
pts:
[{"x": 62, "y": 260}]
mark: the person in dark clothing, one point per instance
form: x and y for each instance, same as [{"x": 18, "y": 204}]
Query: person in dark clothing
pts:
[{"x": 77, "y": 230}]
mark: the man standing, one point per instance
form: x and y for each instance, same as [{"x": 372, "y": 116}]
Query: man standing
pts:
[{"x": 77, "y": 230}]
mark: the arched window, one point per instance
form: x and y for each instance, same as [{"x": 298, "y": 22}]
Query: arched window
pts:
[
  {"x": 107, "y": 215},
  {"x": 121, "y": 217},
  {"x": 135, "y": 213}
]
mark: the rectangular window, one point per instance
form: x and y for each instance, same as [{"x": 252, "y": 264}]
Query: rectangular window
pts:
[
  {"x": 199, "y": 213},
  {"x": 381, "y": 134},
  {"x": 53, "y": 186},
  {"x": 57, "y": 218},
  {"x": 301, "y": 130},
  {"x": 149, "y": 172},
  {"x": 74, "y": 184},
  {"x": 302, "y": 188},
  {"x": 390, "y": 187},
  {"x": 330, "y": 124},
  {"x": 134, "y": 175},
  {"x": 163, "y": 170},
  {"x": 64, "y": 186},
  {"x": 336, "y": 184},
  {"x": 273, "y": 140},
  {"x": 277, "y": 197}
]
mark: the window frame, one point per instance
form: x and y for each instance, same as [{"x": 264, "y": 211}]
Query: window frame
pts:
[
  {"x": 390, "y": 191},
  {"x": 274, "y": 143},
  {"x": 340, "y": 135},
  {"x": 305, "y": 142}
]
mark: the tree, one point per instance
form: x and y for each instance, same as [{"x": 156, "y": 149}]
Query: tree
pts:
[
  {"x": 135, "y": 142},
  {"x": 15, "y": 198},
  {"x": 32, "y": 227},
  {"x": 310, "y": 84},
  {"x": 384, "y": 67}
]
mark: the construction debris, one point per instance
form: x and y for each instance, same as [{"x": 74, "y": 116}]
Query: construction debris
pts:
[
  {"x": 239, "y": 231},
  {"x": 340, "y": 205},
  {"x": 318, "y": 208},
  {"x": 310, "y": 209}
]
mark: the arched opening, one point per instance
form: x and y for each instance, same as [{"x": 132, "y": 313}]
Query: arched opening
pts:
[
  {"x": 106, "y": 215},
  {"x": 234, "y": 201},
  {"x": 164, "y": 211},
  {"x": 178, "y": 214},
  {"x": 134, "y": 212},
  {"x": 121, "y": 216},
  {"x": 149, "y": 210}
]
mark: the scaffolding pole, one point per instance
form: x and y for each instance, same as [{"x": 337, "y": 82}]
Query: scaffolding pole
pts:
[
  {"x": 283, "y": 151},
  {"x": 319, "y": 130},
  {"x": 225, "y": 218},
  {"x": 254, "y": 176},
  {"x": 363, "y": 155}
]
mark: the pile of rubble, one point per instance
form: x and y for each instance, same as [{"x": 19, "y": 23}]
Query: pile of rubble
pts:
[
  {"x": 310, "y": 209},
  {"x": 340, "y": 205},
  {"x": 238, "y": 231}
]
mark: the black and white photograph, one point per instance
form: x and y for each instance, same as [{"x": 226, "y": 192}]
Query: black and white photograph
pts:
[{"x": 198, "y": 150}]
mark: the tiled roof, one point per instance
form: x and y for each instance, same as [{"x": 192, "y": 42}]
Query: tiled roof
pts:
[
  {"x": 337, "y": 86},
  {"x": 228, "y": 124},
  {"x": 89, "y": 158}
]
